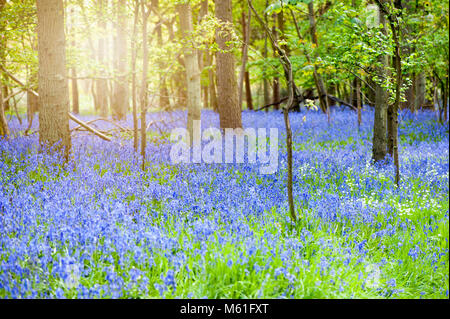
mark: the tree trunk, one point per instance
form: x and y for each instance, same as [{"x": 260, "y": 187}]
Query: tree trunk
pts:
[
  {"x": 287, "y": 67},
  {"x": 192, "y": 71},
  {"x": 6, "y": 104},
  {"x": 202, "y": 55},
  {"x": 444, "y": 90},
  {"x": 358, "y": 101},
  {"x": 285, "y": 47},
  {"x": 4, "y": 129},
  {"x": 379, "y": 146},
  {"x": 265, "y": 82},
  {"x": 178, "y": 77},
  {"x": 75, "y": 93},
  {"x": 248, "y": 91},
  {"x": 244, "y": 74},
  {"x": 119, "y": 104},
  {"x": 212, "y": 84},
  {"x": 101, "y": 84},
  {"x": 164, "y": 102},
  {"x": 145, "y": 14},
  {"x": 320, "y": 85},
  {"x": 357, "y": 85},
  {"x": 420, "y": 91},
  {"x": 32, "y": 100},
  {"x": 229, "y": 111},
  {"x": 53, "y": 84},
  {"x": 276, "y": 80},
  {"x": 393, "y": 118},
  {"x": 133, "y": 76}
]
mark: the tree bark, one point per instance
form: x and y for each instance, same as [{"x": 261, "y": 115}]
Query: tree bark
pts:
[
  {"x": 101, "y": 84},
  {"x": 320, "y": 85},
  {"x": 144, "y": 97},
  {"x": 379, "y": 146},
  {"x": 229, "y": 111},
  {"x": 212, "y": 84},
  {"x": 444, "y": 90},
  {"x": 243, "y": 76},
  {"x": 287, "y": 67},
  {"x": 419, "y": 100},
  {"x": 202, "y": 55},
  {"x": 4, "y": 129},
  {"x": 393, "y": 19},
  {"x": 53, "y": 85},
  {"x": 133, "y": 76},
  {"x": 265, "y": 82},
  {"x": 74, "y": 81},
  {"x": 192, "y": 71},
  {"x": 248, "y": 91},
  {"x": 164, "y": 102},
  {"x": 276, "y": 80},
  {"x": 120, "y": 101}
]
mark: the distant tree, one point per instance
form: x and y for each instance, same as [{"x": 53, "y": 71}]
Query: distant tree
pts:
[
  {"x": 53, "y": 84},
  {"x": 101, "y": 83},
  {"x": 133, "y": 76},
  {"x": 75, "y": 92},
  {"x": 144, "y": 96},
  {"x": 194, "y": 101},
  {"x": 4, "y": 129},
  {"x": 119, "y": 104},
  {"x": 164, "y": 101}
]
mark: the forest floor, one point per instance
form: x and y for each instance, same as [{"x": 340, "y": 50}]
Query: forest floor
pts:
[{"x": 100, "y": 227}]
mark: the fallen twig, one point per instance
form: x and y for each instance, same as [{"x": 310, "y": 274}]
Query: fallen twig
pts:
[{"x": 71, "y": 116}]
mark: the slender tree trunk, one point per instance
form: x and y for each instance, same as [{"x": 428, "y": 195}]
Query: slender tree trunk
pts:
[
  {"x": 75, "y": 93},
  {"x": 32, "y": 100},
  {"x": 229, "y": 111},
  {"x": 419, "y": 100},
  {"x": 144, "y": 97},
  {"x": 436, "y": 105},
  {"x": 444, "y": 90},
  {"x": 212, "y": 84},
  {"x": 398, "y": 70},
  {"x": 379, "y": 146},
  {"x": 357, "y": 85},
  {"x": 285, "y": 47},
  {"x": 287, "y": 67},
  {"x": 120, "y": 101},
  {"x": 101, "y": 84},
  {"x": 358, "y": 101},
  {"x": 53, "y": 87},
  {"x": 192, "y": 70},
  {"x": 276, "y": 80},
  {"x": 4, "y": 129},
  {"x": 248, "y": 91},
  {"x": 393, "y": 119},
  {"x": 178, "y": 78},
  {"x": 133, "y": 76},
  {"x": 265, "y": 82},
  {"x": 244, "y": 73},
  {"x": 164, "y": 102},
  {"x": 202, "y": 54},
  {"x": 320, "y": 85},
  {"x": 6, "y": 104},
  {"x": 93, "y": 83}
]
